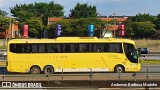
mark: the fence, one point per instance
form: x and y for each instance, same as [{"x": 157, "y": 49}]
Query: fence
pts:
[{"x": 79, "y": 80}]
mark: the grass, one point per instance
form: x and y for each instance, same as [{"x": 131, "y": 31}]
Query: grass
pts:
[
  {"x": 2, "y": 44},
  {"x": 150, "y": 61},
  {"x": 152, "y": 45},
  {"x": 2, "y": 47},
  {"x": 147, "y": 42}
]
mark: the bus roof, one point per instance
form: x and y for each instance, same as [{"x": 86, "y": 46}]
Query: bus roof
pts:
[{"x": 72, "y": 40}]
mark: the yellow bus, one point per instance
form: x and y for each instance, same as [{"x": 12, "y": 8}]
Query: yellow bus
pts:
[{"x": 72, "y": 54}]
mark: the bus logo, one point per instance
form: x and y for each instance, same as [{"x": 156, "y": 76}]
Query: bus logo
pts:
[{"x": 6, "y": 84}]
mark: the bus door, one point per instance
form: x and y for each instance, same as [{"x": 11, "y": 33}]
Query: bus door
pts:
[{"x": 132, "y": 56}]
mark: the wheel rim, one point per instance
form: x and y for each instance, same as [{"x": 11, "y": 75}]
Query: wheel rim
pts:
[
  {"x": 119, "y": 69},
  {"x": 48, "y": 70},
  {"x": 36, "y": 71}
]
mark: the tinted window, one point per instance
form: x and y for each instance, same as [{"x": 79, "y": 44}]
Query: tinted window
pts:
[
  {"x": 16, "y": 48},
  {"x": 66, "y": 48},
  {"x": 34, "y": 48},
  {"x": 87, "y": 47},
  {"x": 76, "y": 47},
  {"x": 115, "y": 48},
  {"x": 51, "y": 48},
  {"x": 42, "y": 48},
  {"x": 130, "y": 52},
  {"x": 100, "y": 47}
]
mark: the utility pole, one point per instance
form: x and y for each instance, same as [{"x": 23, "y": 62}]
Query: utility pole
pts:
[
  {"x": 10, "y": 29},
  {"x": 114, "y": 24},
  {"x": 10, "y": 24}
]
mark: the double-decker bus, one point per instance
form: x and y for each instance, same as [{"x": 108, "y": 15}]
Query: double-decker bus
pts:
[{"x": 72, "y": 54}]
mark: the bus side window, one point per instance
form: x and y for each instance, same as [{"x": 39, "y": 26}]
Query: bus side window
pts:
[
  {"x": 42, "y": 48},
  {"x": 26, "y": 48},
  {"x": 51, "y": 48},
  {"x": 87, "y": 47},
  {"x": 76, "y": 48},
  {"x": 115, "y": 47},
  {"x": 15, "y": 48},
  {"x": 35, "y": 48},
  {"x": 61, "y": 46},
  {"x": 48, "y": 48},
  {"x": 67, "y": 48},
  {"x": 55, "y": 48},
  {"x": 100, "y": 47},
  {"x": 106, "y": 47}
]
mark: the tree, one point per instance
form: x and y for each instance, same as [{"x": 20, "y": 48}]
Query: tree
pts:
[
  {"x": 3, "y": 13},
  {"x": 40, "y": 11},
  {"x": 35, "y": 27},
  {"x": 143, "y": 29},
  {"x": 43, "y": 10},
  {"x": 143, "y": 17},
  {"x": 129, "y": 29},
  {"x": 158, "y": 16},
  {"x": 83, "y": 11},
  {"x": 4, "y": 21},
  {"x": 140, "y": 26},
  {"x": 157, "y": 34},
  {"x": 75, "y": 27},
  {"x": 157, "y": 23}
]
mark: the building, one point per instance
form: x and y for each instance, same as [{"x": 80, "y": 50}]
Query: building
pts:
[
  {"x": 116, "y": 28},
  {"x": 52, "y": 20},
  {"x": 12, "y": 31}
]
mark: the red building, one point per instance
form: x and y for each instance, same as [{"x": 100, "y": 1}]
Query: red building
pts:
[
  {"x": 116, "y": 27},
  {"x": 12, "y": 31}
]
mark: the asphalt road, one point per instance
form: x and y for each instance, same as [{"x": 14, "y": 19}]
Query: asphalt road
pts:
[
  {"x": 150, "y": 68},
  {"x": 150, "y": 57},
  {"x": 88, "y": 81},
  {"x": 83, "y": 81}
]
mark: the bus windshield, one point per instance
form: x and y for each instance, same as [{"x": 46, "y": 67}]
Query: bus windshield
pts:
[{"x": 131, "y": 53}]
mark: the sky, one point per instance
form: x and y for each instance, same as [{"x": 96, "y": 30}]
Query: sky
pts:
[{"x": 104, "y": 7}]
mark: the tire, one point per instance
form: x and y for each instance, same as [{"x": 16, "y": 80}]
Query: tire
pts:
[
  {"x": 48, "y": 70},
  {"x": 119, "y": 69},
  {"x": 35, "y": 70}
]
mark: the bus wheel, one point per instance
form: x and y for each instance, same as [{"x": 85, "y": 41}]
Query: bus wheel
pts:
[
  {"x": 48, "y": 70},
  {"x": 35, "y": 70},
  {"x": 119, "y": 69}
]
